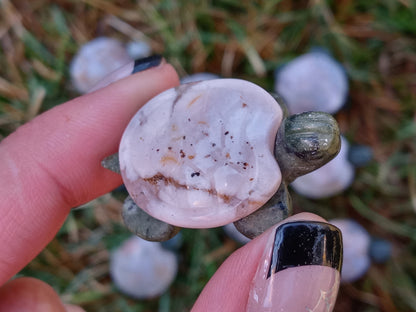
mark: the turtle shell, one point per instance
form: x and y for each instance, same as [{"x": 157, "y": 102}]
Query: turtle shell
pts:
[{"x": 201, "y": 155}]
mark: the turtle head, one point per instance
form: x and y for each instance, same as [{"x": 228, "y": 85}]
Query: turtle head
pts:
[{"x": 305, "y": 142}]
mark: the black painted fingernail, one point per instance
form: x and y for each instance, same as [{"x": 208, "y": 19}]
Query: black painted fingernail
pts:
[
  {"x": 306, "y": 243},
  {"x": 146, "y": 63},
  {"x": 129, "y": 69}
]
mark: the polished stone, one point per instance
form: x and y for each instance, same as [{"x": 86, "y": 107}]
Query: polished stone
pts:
[
  {"x": 356, "y": 243},
  {"x": 313, "y": 82},
  {"x": 142, "y": 269},
  {"x": 95, "y": 60},
  {"x": 201, "y": 155}
]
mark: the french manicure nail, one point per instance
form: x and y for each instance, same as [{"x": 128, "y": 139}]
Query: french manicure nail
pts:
[
  {"x": 133, "y": 67},
  {"x": 300, "y": 269}
]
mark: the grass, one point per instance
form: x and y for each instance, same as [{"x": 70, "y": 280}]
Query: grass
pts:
[{"x": 376, "y": 42}]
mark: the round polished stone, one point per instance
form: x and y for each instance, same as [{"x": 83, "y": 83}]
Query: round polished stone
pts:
[
  {"x": 235, "y": 234},
  {"x": 199, "y": 77},
  {"x": 380, "y": 250},
  {"x": 313, "y": 82},
  {"x": 142, "y": 269},
  {"x": 201, "y": 155},
  {"x": 356, "y": 243},
  {"x": 95, "y": 60}
]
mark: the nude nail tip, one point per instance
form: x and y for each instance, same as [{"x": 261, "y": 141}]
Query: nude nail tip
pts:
[
  {"x": 299, "y": 270},
  {"x": 306, "y": 288}
]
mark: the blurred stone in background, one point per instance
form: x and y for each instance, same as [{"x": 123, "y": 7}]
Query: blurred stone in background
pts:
[
  {"x": 95, "y": 60},
  {"x": 234, "y": 234},
  {"x": 312, "y": 82},
  {"x": 360, "y": 249},
  {"x": 142, "y": 269},
  {"x": 356, "y": 242},
  {"x": 99, "y": 57},
  {"x": 138, "y": 49},
  {"x": 199, "y": 77}
]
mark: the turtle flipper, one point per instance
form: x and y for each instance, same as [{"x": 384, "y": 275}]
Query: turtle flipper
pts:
[
  {"x": 111, "y": 163},
  {"x": 136, "y": 219},
  {"x": 278, "y": 208},
  {"x": 144, "y": 225}
]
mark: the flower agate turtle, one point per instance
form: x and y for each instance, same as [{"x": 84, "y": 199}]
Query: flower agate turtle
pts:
[{"x": 209, "y": 153}]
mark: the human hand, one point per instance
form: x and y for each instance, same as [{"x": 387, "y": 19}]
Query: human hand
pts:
[{"x": 52, "y": 164}]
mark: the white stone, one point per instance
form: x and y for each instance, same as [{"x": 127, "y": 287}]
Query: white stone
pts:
[
  {"x": 142, "y": 269},
  {"x": 312, "y": 82},
  {"x": 235, "y": 235},
  {"x": 138, "y": 49},
  {"x": 201, "y": 155},
  {"x": 95, "y": 60},
  {"x": 356, "y": 243},
  {"x": 199, "y": 77},
  {"x": 329, "y": 180}
]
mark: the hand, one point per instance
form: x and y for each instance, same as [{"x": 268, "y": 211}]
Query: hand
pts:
[{"x": 52, "y": 164}]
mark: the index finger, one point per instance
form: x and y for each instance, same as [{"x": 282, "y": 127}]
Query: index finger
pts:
[{"x": 52, "y": 163}]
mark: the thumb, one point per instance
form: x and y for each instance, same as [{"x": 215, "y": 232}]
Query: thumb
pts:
[
  {"x": 294, "y": 266},
  {"x": 52, "y": 163},
  {"x": 30, "y": 294}
]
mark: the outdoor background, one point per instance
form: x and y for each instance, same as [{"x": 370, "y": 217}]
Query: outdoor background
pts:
[{"x": 374, "y": 40}]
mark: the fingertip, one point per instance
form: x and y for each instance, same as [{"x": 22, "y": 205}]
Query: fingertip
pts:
[
  {"x": 170, "y": 72},
  {"x": 302, "y": 255},
  {"x": 29, "y": 294},
  {"x": 229, "y": 288}
]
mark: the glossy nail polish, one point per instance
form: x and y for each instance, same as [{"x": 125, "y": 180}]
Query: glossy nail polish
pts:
[
  {"x": 300, "y": 269},
  {"x": 129, "y": 69},
  {"x": 146, "y": 63}
]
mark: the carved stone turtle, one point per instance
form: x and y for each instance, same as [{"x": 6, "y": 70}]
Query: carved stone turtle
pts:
[{"x": 208, "y": 153}]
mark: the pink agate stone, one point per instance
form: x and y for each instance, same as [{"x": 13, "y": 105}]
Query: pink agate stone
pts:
[{"x": 201, "y": 155}]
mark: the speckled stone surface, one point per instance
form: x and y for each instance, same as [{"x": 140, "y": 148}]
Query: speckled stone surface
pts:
[{"x": 201, "y": 155}]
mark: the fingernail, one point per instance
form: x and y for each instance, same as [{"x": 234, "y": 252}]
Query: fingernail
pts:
[
  {"x": 146, "y": 63},
  {"x": 300, "y": 269},
  {"x": 133, "y": 67}
]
